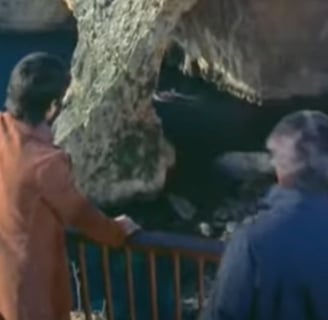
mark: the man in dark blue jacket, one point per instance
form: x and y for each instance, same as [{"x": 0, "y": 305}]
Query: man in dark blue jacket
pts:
[{"x": 277, "y": 268}]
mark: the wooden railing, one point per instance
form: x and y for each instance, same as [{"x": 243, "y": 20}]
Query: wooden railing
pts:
[{"x": 152, "y": 244}]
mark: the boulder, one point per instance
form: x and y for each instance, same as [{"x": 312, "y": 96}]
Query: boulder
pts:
[
  {"x": 32, "y": 15},
  {"x": 244, "y": 166},
  {"x": 110, "y": 127}
]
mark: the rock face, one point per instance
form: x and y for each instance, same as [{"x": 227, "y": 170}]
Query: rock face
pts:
[
  {"x": 110, "y": 127},
  {"x": 259, "y": 48},
  {"x": 32, "y": 15}
]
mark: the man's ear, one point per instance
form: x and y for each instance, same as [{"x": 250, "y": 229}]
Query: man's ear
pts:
[{"x": 53, "y": 111}]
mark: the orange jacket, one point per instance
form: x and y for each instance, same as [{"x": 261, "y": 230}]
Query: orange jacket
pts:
[{"x": 38, "y": 200}]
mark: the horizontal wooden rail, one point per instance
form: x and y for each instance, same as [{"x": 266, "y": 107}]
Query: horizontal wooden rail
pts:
[{"x": 167, "y": 243}]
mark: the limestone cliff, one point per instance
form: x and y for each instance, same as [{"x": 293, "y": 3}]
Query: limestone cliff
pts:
[
  {"x": 258, "y": 49},
  {"x": 32, "y": 15}
]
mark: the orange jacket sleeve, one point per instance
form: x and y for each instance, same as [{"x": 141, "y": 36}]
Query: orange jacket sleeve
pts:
[{"x": 71, "y": 208}]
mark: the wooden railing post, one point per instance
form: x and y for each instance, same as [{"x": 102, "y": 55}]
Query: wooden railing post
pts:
[
  {"x": 177, "y": 286},
  {"x": 153, "y": 285},
  {"x": 130, "y": 283},
  {"x": 108, "y": 284},
  {"x": 84, "y": 282}
]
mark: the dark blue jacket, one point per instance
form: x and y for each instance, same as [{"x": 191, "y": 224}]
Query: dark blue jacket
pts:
[{"x": 277, "y": 268}]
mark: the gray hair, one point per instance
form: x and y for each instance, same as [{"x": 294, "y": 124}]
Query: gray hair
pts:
[{"x": 299, "y": 148}]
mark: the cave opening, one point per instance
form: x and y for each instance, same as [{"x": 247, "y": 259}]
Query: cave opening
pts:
[{"x": 222, "y": 168}]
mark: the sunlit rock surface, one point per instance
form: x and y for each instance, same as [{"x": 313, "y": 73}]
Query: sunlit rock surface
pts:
[
  {"x": 110, "y": 127},
  {"x": 259, "y": 48}
]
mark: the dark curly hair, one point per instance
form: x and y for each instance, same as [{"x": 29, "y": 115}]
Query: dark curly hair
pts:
[{"x": 35, "y": 82}]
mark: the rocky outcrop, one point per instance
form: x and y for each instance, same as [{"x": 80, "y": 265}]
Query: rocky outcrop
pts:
[
  {"x": 260, "y": 49},
  {"x": 110, "y": 127},
  {"x": 32, "y": 15}
]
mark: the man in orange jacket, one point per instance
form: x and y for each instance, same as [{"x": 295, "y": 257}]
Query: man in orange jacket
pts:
[{"x": 38, "y": 198}]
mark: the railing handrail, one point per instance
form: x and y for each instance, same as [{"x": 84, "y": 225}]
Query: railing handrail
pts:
[{"x": 167, "y": 242}]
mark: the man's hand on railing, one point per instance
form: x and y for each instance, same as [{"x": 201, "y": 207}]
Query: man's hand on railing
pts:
[{"x": 128, "y": 225}]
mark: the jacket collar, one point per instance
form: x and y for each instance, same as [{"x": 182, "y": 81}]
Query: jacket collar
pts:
[
  {"x": 279, "y": 196},
  {"x": 42, "y": 132}
]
